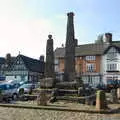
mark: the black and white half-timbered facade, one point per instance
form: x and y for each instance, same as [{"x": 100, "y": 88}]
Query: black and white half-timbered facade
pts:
[
  {"x": 25, "y": 69},
  {"x": 111, "y": 64}
]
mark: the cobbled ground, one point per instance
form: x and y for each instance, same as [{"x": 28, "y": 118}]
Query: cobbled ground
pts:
[{"x": 31, "y": 114}]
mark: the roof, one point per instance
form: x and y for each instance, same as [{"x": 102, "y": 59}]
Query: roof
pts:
[
  {"x": 87, "y": 49},
  {"x": 6, "y": 66},
  {"x": 33, "y": 65},
  {"x": 116, "y": 47},
  {"x": 2, "y": 60}
]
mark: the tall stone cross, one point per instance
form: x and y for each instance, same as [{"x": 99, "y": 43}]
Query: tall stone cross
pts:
[
  {"x": 49, "y": 65},
  {"x": 69, "y": 72}
]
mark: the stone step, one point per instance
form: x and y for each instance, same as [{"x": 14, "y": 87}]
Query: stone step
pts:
[
  {"x": 67, "y": 85},
  {"x": 84, "y": 99},
  {"x": 71, "y": 99},
  {"x": 68, "y": 92}
]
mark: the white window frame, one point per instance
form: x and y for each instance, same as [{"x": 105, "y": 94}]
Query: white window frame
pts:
[
  {"x": 90, "y": 58},
  {"x": 112, "y": 67},
  {"x": 90, "y": 67}
]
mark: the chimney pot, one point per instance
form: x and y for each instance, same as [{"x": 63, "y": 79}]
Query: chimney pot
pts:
[{"x": 108, "y": 37}]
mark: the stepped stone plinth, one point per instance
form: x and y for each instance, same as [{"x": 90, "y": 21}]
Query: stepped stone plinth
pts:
[
  {"x": 47, "y": 82},
  {"x": 42, "y": 98}
]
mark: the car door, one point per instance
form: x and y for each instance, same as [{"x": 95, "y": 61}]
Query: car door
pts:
[{"x": 6, "y": 89}]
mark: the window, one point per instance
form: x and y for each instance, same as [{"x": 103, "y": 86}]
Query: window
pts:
[
  {"x": 112, "y": 80},
  {"x": 56, "y": 62},
  {"x": 90, "y": 67},
  {"x": 90, "y": 79},
  {"x": 22, "y": 77},
  {"x": 15, "y": 76},
  {"x": 90, "y": 57},
  {"x": 18, "y": 62},
  {"x": 111, "y": 67}
]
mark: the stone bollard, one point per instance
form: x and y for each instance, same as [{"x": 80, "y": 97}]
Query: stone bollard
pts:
[
  {"x": 100, "y": 100},
  {"x": 118, "y": 93},
  {"x": 114, "y": 96},
  {"x": 42, "y": 98}
]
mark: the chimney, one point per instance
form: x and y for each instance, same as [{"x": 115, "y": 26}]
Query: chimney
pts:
[
  {"x": 8, "y": 58},
  {"x": 41, "y": 58},
  {"x": 108, "y": 38}
]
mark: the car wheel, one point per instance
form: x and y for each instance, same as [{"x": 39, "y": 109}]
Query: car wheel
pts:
[{"x": 14, "y": 96}]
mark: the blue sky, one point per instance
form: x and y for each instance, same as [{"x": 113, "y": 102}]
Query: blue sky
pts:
[{"x": 25, "y": 24}]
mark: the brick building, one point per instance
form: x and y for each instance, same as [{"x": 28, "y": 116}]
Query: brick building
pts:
[{"x": 91, "y": 62}]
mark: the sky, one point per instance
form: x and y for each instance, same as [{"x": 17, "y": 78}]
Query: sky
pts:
[{"x": 26, "y": 24}]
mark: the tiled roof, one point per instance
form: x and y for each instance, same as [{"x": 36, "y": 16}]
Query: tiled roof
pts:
[
  {"x": 7, "y": 66},
  {"x": 33, "y": 64},
  {"x": 90, "y": 49},
  {"x": 87, "y": 49},
  {"x": 2, "y": 60}
]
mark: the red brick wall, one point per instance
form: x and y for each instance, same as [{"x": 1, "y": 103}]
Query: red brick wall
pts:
[{"x": 80, "y": 64}]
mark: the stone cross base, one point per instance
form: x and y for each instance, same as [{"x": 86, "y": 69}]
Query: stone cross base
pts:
[
  {"x": 42, "y": 98},
  {"x": 47, "y": 82}
]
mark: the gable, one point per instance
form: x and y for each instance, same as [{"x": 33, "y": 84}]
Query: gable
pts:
[
  {"x": 112, "y": 49},
  {"x": 24, "y": 63},
  {"x": 18, "y": 65},
  {"x": 33, "y": 65},
  {"x": 112, "y": 54}
]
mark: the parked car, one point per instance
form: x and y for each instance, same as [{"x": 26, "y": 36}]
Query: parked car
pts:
[
  {"x": 27, "y": 88},
  {"x": 16, "y": 82},
  {"x": 112, "y": 84},
  {"x": 101, "y": 87},
  {"x": 9, "y": 90}
]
